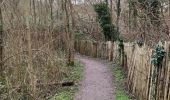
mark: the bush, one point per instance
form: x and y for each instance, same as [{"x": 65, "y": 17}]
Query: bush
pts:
[
  {"x": 157, "y": 55},
  {"x": 105, "y": 20}
]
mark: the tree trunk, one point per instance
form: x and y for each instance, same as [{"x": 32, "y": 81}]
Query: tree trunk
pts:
[
  {"x": 69, "y": 27},
  {"x": 34, "y": 11},
  {"x": 72, "y": 33},
  {"x": 169, "y": 8},
  {"x": 118, "y": 16},
  {"x": 1, "y": 43},
  {"x": 30, "y": 64}
]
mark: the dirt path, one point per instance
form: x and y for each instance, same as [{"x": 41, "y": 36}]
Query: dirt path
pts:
[{"x": 97, "y": 83}]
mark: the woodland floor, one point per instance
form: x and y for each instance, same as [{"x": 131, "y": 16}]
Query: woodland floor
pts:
[{"x": 97, "y": 82}]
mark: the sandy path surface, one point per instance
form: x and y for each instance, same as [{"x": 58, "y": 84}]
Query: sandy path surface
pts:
[{"x": 97, "y": 83}]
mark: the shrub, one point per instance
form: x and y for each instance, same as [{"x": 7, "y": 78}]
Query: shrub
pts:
[
  {"x": 105, "y": 20},
  {"x": 157, "y": 55}
]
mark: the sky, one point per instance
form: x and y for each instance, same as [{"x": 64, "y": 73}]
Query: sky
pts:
[{"x": 78, "y": 1}]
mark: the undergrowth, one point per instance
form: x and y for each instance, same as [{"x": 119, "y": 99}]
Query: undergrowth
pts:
[
  {"x": 120, "y": 81},
  {"x": 121, "y": 95},
  {"x": 67, "y": 93}
]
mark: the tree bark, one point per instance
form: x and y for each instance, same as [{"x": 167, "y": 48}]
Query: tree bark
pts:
[
  {"x": 1, "y": 43},
  {"x": 33, "y": 2},
  {"x": 69, "y": 29},
  {"x": 30, "y": 63},
  {"x": 118, "y": 16}
]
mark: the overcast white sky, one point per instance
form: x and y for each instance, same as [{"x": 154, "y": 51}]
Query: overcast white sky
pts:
[{"x": 78, "y": 1}]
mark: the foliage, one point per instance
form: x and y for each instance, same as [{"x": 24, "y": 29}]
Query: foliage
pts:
[
  {"x": 105, "y": 20},
  {"x": 75, "y": 72},
  {"x": 157, "y": 55},
  {"x": 121, "y": 44},
  {"x": 119, "y": 76},
  {"x": 121, "y": 47},
  {"x": 120, "y": 95},
  {"x": 67, "y": 93},
  {"x": 2, "y": 86},
  {"x": 64, "y": 94},
  {"x": 140, "y": 43}
]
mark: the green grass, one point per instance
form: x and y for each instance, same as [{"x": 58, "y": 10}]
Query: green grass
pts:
[
  {"x": 76, "y": 74},
  {"x": 119, "y": 78},
  {"x": 66, "y": 93},
  {"x": 121, "y": 95},
  {"x": 118, "y": 74}
]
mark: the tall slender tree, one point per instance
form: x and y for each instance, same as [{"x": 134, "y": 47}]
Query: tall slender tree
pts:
[
  {"x": 69, "y": 29},
  {"x": 30, "y": 63},
  {"x": 34, "y": 11},
  {"x": 118, "y": 10},
  {"x": 1, "y": 41}
]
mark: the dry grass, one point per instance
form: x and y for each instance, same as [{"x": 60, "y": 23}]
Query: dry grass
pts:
[{"x": 38, "y": 75}]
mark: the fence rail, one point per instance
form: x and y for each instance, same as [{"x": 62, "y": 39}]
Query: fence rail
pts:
[{"x": 136, "y": 61}]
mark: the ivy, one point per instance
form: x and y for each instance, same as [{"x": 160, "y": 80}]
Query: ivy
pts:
[
  {"x": 157, "y": 55},
  {"x": 156, "y": 59},
  {"x": 105, "y": 20},
  {"x": 140, "y": 43},
  {"x": 121, "y": 47}
]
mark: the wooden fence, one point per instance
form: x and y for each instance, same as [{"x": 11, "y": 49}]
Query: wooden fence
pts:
[{"x": 136, "y": 61}]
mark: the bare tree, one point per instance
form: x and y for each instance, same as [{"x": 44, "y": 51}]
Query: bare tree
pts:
[{"x": 1, "y": 43}]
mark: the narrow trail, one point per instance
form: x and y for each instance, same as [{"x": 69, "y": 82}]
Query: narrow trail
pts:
[{"x": 97, "y": 83}]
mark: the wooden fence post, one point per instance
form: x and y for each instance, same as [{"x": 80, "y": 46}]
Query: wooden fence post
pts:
[
  {"x": 94, "y": 50},
  {"x": 109, "y": 47},
  {"x": 137, "y": 62}
]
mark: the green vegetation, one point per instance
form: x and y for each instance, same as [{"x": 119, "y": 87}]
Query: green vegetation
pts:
[
  {"x": 157, "y": 59},
  {"x": 121, "y": 47},
  {"x": 140, "y": 43},
  {"x": 118, "y": 74},
  {"x": 119, "y": 77},
  {"x": 157, "y": 55},
  {"x": 105, "y": 20},
  {"x": 121, "y": 95},
  {"x": 67, "y": 93}
]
